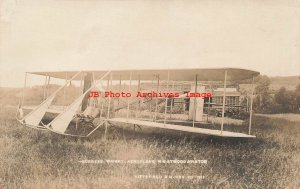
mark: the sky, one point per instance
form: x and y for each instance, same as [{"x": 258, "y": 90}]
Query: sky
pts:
[{"x": 63, "y": 35}]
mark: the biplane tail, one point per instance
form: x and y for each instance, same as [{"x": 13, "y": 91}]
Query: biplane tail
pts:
[{"x": 34, "y": 118}]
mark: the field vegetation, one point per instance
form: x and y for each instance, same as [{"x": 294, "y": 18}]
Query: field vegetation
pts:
[
  {"x": 36, "y": 159},
  {"x": 40, "y": 159}
]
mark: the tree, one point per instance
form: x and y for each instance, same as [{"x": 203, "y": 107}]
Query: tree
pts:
[
  {"x": 297, "y": 97},
  {"x": 280, "y": 96},
  {"x": 280, "y": 99},
  {"x": 263, "y": 100},
  {"x": 286, "y": 99}
]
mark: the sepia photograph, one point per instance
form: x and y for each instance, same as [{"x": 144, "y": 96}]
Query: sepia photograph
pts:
[{"x": 127, "y": 94}]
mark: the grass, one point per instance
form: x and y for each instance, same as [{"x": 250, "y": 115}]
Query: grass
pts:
[
  {"x": 38, "y": 159},
  {"x": 286, "y": 116}
]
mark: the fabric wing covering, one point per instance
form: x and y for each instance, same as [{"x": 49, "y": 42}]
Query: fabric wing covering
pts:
[
  {"x": 188, "y": 74},
  {"x": 34, "y": 118},
  {"x": 62, "y": 121}
]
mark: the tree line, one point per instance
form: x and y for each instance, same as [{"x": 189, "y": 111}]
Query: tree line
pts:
[{"x": 275, "y": 101}]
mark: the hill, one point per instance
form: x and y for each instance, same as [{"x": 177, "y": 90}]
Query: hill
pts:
[{"x": 290, "y": 82}]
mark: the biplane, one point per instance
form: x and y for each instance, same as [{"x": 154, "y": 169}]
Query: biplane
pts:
[{"x": 77, "y": 103}]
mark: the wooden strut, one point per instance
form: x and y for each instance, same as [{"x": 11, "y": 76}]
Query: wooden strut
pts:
[
  {"x": 102, "y": 105},
  {"x": 139, "y": 101},
  {"x": 185, "y": 102},
  {"x": 156, "y": 99},
  {"x": 44, "y": 88},
  {"x": 47, "y": 87},
  {"x": 101, "y": 123},
  {"x": 127, "y": 116},
  {"x": 109, "y": 85},
  {"x": 81, "y": 87},
  {"x": 172, "y": 100},
  {"x": 120, "y": 85},
  {"x": 224, "y": 97},
  {"x": 80, "y": 92},
  {"x": 150, "y": 104},
  {"x": 109, "y": 98},
  {"x": 65, "y": 88},
  {"x": 195, "y": 101},
  {"x": 209, "y": 105},
  {"x": 93, "y": 101},
  {"x": 251, "y": 104},
  {"x": 166, "y": 103}
]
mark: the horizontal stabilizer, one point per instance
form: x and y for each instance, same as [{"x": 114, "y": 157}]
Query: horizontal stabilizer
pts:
[
  {"x": 34, "y": 117},
  {"x": 62, "y": 121}
]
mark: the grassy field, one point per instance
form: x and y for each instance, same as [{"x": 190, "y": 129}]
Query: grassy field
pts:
[
  {"x": 286, "y": 116},
  {"x": 38, "y": 159}
]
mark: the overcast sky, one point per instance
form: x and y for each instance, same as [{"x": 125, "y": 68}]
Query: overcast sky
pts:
[{"x": 40, "y": 35}]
